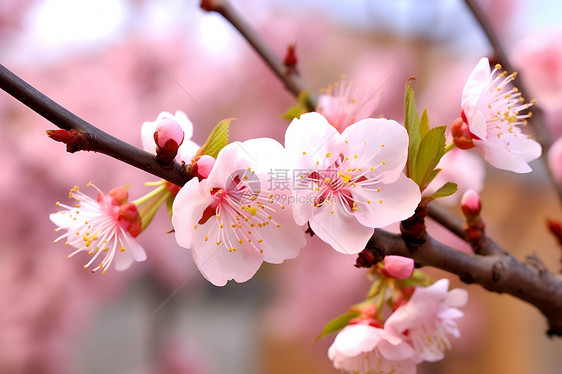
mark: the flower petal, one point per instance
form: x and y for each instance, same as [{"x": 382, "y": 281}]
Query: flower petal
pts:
[
  {"x": 219, "y": 265},
  {"x": 514, "y": 158},
  {"x": 379, "y": 143},
  {"x": 308, "y": 139},
  {"x": 356, "y": 339},
  {"x": 340, "y": 229},
  {"x": 392, "y": 203},
  {"x": 476, "y": 83},
  {"x": 189, "y": 205}
]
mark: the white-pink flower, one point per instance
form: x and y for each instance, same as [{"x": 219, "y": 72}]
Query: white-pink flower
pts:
[
  {"x": 186, "y": 150},
  {"x": 429, "y": 319},
  {"x": 350, "y": 183},
  {"x": 237, "y": 218},
  {"x": 342, "y": 105},
  {"x": 104, "y": 228},
  {"x": 490, "y": 107},
  {"x": 365, "y": 349}
]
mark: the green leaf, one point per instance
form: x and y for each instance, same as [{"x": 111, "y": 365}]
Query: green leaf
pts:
[
  {"x": 299, "y": 108},
  {"x": 217, "y": 140},
  {"x": 445, "y": 190},
  {"x": 424, "y": 123},
  {"x": 337, "y": 324},
  {"x": 170, "y": 203},
  {"x": 431, "y": 149},
  {"x": 412, "y": 125}
]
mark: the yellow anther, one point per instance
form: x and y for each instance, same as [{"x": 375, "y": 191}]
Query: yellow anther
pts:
[
  {"x": 194, "y": 226},
  {"x": 355, "y": 156},
  {"x": 221, "y": 226},
  {"x": 304, "y": 153},
  {"x": 328, "y": 154},
  {"x": 261, "y": 240},
  {"x": 219, "y": 242},
  {"x": 378, "y": 189},
  {"x": 380, "y": 201},
  {"x": 122, "y": 249},
  {"x": 206, "y": 237}
]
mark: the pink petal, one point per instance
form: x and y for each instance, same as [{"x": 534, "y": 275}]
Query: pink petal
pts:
[
  {"x": 399, "y": 201},
  {"x": 219, "y": 265},
  {"x": 356, "y": 339},
  {"x": 375, "y": 141},
  {"x": 500, "y": 157},
  {"x": 399, "y": 267},
  {"x": 340, "y": 229},
  {"x": 308, "y": 139},
  {"x": 475, "y": 85},
  {"x": 188, "y": 209},
  {"x": 283, "y": 242}
]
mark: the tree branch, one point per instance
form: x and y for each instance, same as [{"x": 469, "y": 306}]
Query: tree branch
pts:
[
  {"x": 292, "y": 80},
  {"x": 98, "y": 141},
  {"x": 538, "y": 124},
  {"x": 499, "y": 272}
]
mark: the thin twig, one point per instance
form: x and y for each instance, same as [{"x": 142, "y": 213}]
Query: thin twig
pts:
[
  {"x": 538, "y": 124},
  {"x": 292, "y": 80},
  {"x": 101, "y": 141}
]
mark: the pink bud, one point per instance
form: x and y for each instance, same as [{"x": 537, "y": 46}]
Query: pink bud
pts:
[
  {"x": 398, "y": 266},
  {"x": 168, "y": 129},
  {"x": 555, "y": 160},
  {"x": 204, "y": 165},
  {"x": 470, "y": 203},
  {"x": 461, "y": 134}
]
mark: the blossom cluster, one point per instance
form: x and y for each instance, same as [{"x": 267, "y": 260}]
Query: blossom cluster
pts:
[
  {"x": 420, "y": 328},
  {"x": 345, "y": 175}
]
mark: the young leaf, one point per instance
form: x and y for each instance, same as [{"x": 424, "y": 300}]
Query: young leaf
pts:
[
  {"x": 431, "y": 149},
  {"x": 217, "y": 140},
  {"x": 412, "y": 125},
  {"x": 424, "y": 123},
  {"x": 337, "y": 324},
  {"x": 299, "y": 108},
  {"x": 445, "y": 190}
]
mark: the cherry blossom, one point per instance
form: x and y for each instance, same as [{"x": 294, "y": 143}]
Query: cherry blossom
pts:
[
  {"x": 342, "y": 104},
  {"x": 236, "y": 219},
  {"x": 108, "y": 225},
  {"x": 428, "y": 319},
  {"x": 362, "y": 348},
  {"x": 490, "y": 108},
  {"x": 186, "y": 150},
  {"x": 350, "y": 183}
]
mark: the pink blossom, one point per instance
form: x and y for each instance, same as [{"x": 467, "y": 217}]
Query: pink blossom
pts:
[
  {"x": 491, "y": 109},
  {"x": 164, "y": 120},
  {"x": 342, "y": 104},
  {"x": 349, "y": 183},
  {"x": 107, "y": 225},
  {"x": 428, "y": 319},
  {"x": 364, "y": 349},
  {"x": 555, "y": 160},
  {"x": 399, "y": 267},
  {"x": 232, "y": 221}
]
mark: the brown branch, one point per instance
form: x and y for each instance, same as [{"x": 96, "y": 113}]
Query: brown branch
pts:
[
  {"x": 289, "y": 76},
  {"x": 499, "y": 272},
  {"x": 538, "y": 124},
  {"x": 97, "y": 140}
]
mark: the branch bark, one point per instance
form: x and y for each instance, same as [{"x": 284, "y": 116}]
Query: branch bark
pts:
[
  {"x": 499, "y": 272},
  {"x": 99, "y": 141}
]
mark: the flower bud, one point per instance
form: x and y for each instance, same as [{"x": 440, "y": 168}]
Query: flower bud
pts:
[
  {"x": 461, "y": 134},
  {"x": 398, "y": 266},
  {"x": 471, "y": 204},
  {"x": 204, "y": 165},
  {"x": 168, "y": 136}
]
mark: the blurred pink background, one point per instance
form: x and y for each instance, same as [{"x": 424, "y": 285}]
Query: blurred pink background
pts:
[{"x": 120, "y": 63}]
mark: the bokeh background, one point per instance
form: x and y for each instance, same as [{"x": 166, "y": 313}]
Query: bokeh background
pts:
[{"x": 120, "y": 63}]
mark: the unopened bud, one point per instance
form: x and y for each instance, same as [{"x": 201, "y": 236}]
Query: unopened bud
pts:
[
  {"x": 399, "y": 267},
  {"x": 471, "y": 204},
  {"x": 290, "y": 60},
  {"x": 168, "y": 136},
  {"x": 203, "y": 166},
  {"x": 461, "y": 134}
]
